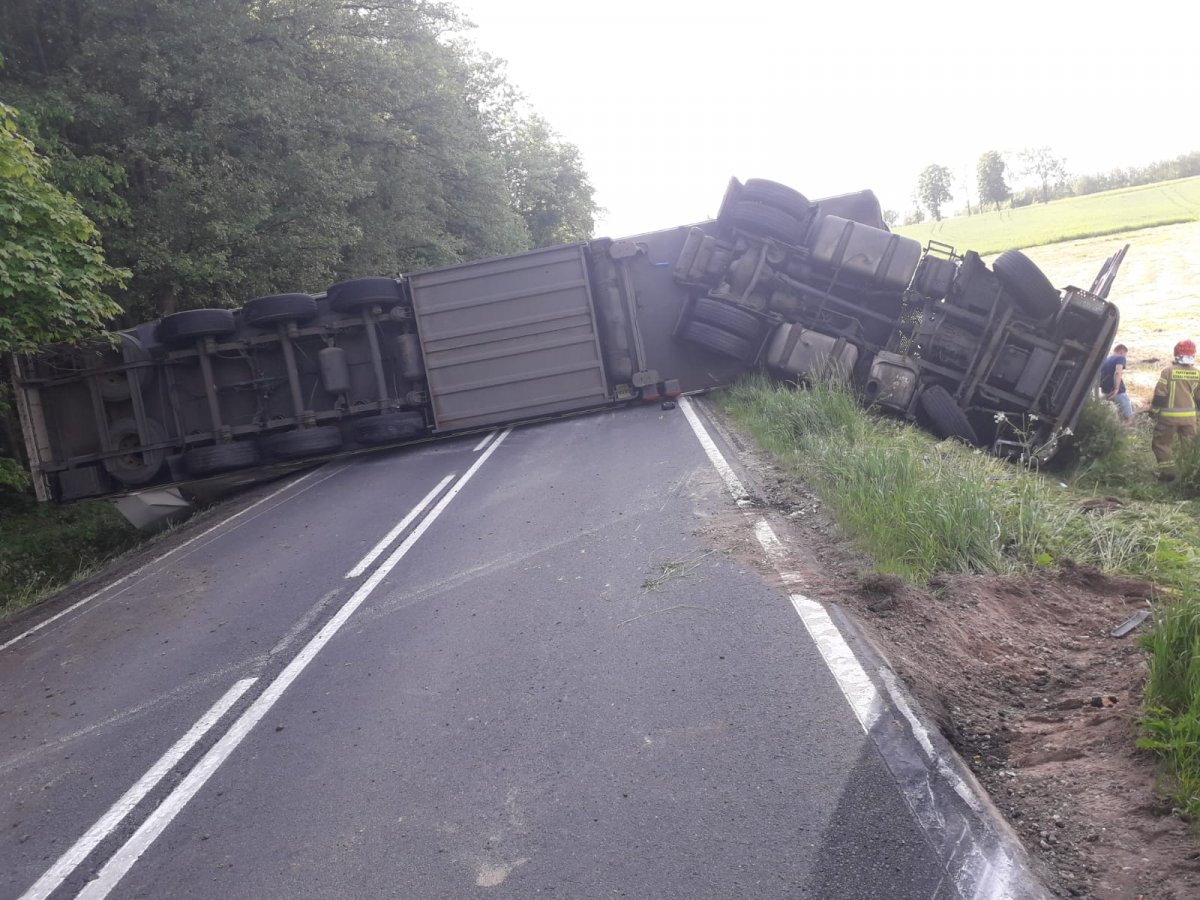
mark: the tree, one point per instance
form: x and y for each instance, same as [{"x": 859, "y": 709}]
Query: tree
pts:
[
  {"x": 890, "y": 218},
  {"x": 53, "y": 275},
  {"x": 1048, "y": 169},
  {"x": 933, "y": 189},
  {"x": 244, "y": 147},
  {"x": 989, "y": 173},
  {"x": 545, "y": 175}
]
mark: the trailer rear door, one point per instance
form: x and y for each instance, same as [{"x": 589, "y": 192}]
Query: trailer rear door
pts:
[{"x": 509, "y": 338}]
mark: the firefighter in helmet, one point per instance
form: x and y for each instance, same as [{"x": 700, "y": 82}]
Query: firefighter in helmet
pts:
[{"x": 1174, "y": 405}]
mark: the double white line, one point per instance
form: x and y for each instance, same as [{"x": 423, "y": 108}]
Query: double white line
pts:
[{"x": 123, "y": 860}]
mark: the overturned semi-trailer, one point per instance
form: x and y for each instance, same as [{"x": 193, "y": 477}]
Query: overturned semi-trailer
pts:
[{"x": 996, "y": 356}]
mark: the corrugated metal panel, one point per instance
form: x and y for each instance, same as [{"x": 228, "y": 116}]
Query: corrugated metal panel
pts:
[{"x": 509, "y": 338}]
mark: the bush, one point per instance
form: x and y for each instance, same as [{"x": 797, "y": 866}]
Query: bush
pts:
[
  {"x": 47, "y": 546},
  {"x": 14, "y": 481}
]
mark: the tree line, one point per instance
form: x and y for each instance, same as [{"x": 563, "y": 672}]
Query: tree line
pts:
[
  {"x": 1048, "y": 173},
  {"x": 236, "y": 148}
]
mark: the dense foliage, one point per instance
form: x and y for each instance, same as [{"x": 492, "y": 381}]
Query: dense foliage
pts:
[
  {"x": 52, "y": 272},
  {"x": 242, "y": 147}
]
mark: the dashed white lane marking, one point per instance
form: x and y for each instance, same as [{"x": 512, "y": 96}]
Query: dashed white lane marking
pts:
[
  {"x": 484, "y": 441},
  {"x": 390, "y": 537},
  {"x": 154, "y": 562},
  {"x": 107, "y": 823},
  {"x": 154, "y": 825}
]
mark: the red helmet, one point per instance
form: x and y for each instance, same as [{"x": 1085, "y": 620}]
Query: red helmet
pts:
[{"x": 1185, "y": 348}]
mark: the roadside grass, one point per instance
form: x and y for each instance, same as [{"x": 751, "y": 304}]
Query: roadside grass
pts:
[
  {"x": 1171, "y": 719},
  {"x": 44, "y": 547},
  {"x": 1093, "y": 215},
  {"x": 917, "y": 507}
]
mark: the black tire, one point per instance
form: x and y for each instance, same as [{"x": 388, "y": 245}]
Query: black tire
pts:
[
  {"x": 263, "y": 311},
  {"x": 303, "y": 442},
  {"x": 1027, "y": 284},
  {"x": 114, "y": 386},
  {"x": 719, "y": 341},
  {"x": 780, "y": 196},
  {"x": 766, "y": 221},
  {"x": 729, "y": 318},
  {"x": 388, "y": 428},
  {"x": 185, "y": 327},
  {"x": 944, "y": 416},
  {"x": 352, "y": 296},
  {"x": 135, "y": 467},
  {"x": 221, "y": 458}
]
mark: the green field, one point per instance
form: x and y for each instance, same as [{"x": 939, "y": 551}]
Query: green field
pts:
[{"x": 1112, "y": 212}]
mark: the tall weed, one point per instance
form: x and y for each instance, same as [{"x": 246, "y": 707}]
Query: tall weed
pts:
[{"x": 1171, "y": 721}]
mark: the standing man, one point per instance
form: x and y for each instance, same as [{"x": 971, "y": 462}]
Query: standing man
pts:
[
  {"x": 1175, "y": 401},
  {"x": 1112, "y": 383}
]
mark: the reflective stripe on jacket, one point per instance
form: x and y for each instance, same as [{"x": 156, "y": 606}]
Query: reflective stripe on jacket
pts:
[{"x": 1177, "y": 392}]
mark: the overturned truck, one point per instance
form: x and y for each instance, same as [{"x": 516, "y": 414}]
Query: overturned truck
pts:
[{"x": 997, "y": 357}]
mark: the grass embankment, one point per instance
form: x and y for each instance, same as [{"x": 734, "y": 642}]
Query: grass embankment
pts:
[
  {"x": 918, "y": 507},
  {"x": 1111, "y": 212},
  {"x": 44, "y": 547}
]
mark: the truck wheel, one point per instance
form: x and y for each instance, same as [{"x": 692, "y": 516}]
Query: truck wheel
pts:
[
  {"x": 945, "y": 417},
  {"x": 730, "y": 318},
  {"x": 720, "y": 341},
  {"x": 114, "y": 386},
  {"x": 352, "y": 296},
  {"x": 135, "y": 466},
  {"x": 388, "y": 427},
  {"x": 303, "y": 442},
  {"x": 780, "y": 196},
  {"x": 189, "y": 326},
  {"x": 279, "y": 308},
  {"x": 1029, "y": 287},
  {"x": 766, "y": 221},
  {"x": 221, "y": 458}
]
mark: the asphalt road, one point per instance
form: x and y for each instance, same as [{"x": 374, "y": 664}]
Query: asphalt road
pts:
[{"x": 546, "y": 684}]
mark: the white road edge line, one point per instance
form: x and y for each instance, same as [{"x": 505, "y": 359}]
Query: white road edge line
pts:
[
  {"x": 123, "y": 860},
  {"x": 849, "y": 674},
  {"x": 390, "y": 537},
  {"x": 740, "y": 495},
  {"x": 484, "y": 442},
  {"x": 107, "y": 823},
  {"x": 142, "y": 568}
]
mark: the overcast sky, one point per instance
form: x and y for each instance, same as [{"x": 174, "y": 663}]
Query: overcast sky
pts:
[{"x": 667, "y": 99}]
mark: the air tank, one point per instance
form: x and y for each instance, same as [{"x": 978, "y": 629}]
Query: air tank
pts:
[{"x": 335, "y": 372}]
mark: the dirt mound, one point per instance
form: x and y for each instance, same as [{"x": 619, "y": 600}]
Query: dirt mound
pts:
[{"x": 1023, "y": 676}]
